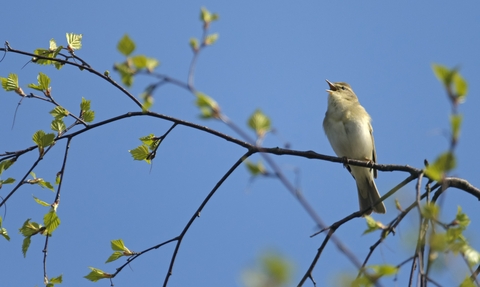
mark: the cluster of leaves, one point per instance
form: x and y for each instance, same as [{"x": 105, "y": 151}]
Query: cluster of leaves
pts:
[
  {"x": 274, "y": 271},
  {"x": 74, "y": 42},
  {"x": 120, "y": 250},
  {"x": 147, "y": 150}
]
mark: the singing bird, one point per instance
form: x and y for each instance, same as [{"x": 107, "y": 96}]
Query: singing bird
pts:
[{"x": 349, "y": 131}]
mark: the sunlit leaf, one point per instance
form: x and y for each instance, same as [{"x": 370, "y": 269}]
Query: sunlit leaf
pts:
[
  {"x": 114, "y": 256},
  {"x": 455, "y": 123},
  {"x": 88, "y": 116},
  {"x": 140, "y": 153},
  {"x": 51, "y": 221},
  {"x": 194, "y": 44},
  {"x": 10, "y": 83},
  {"x": 211, "y": 39},
  {"x": 41, "y": 202},
  {"x": 461, "y": 86},
  {"x": 255, "y": 168},
  {"x": 74, "y": 41},
  {"x": 468, "y": 282},
  {"x": 56, "y": 280},
  {"x": 97, "y": 274},
  {"x": 5, "y": 164},
  {"x": 126, "y": 45},
  {"x": 208, "y": 107},
  {"x": 384, "y": 270},
  {"x": 444, "y": 163},
  {"x": 443, "y": 74},
  {"x": 30, "y": 228},
  {"x": 58, "y": 125},
  {"x": 59, "y": 112},
  {"x": 259, "y": 122},
  {"x": 461, "y": 218},
  {"x": 85, "y": 104},
  {"x": 117, "y": 245},
  {"x": 126, "y": 73},
  {"x": 25, "y": 245},
  {"x": 430, "y": 211}
]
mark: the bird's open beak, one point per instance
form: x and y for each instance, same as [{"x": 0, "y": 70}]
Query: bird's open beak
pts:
[{"x": 332, "y": 87}]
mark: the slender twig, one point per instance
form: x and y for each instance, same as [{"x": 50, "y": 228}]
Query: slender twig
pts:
[{"x": 199, "y": 210}]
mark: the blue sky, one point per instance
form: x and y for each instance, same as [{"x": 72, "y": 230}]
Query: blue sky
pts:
[{"x": 269, "y": 56}]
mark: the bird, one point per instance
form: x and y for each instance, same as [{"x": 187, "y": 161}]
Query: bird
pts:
[{"x": 348, "y": 128}]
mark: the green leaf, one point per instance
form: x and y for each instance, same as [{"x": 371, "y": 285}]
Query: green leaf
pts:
[
  {"x": 430, "y": 211},
  {"x": 371, "y": 225},
  {"x": 461, "y": 86},
  {"x": 126, "y": 73},
  {"x": 85, "y": 104},
  {"x": 114, "y": 256},
  {"x": 126, "y": 45},
  {"x": 25, "y": 245},
  {"x": 208, "y": 107},
  {"x": 211, "y": 39},
  {"x": 88, "y": 116},
  {"x": 43, "y": 82},
  {"x": 148, "y": 101},
  {"x": 139, "y": 61},
  {"x": 10, "y": 83},
  {"x": 4, "y": 233},
  {"x": 74, "y": 41},
  {"x": 255, "y": 168},
  {"x": 277, "y": 268},
  {"x": 30, "y": 228},
  {"x": 43, "y": 140},
  {"x": 461, "y": 218},
  {"x": 443, "y": 74},
  {"x": 260, "y": 123},
  {"x": 59, "y": 112},
  {"x": 455, "y": 122},
  {"x": 151, "y": 64},
  {"x": 53, "y": 45},
  {"x": 117, "y": 245},
  {"x": 51, "y": 221},
  {"x": 56, "y": 280},
  {"x": 58, "y": 125},
  {"x": 5, "y": 164},
  {"x": 97, "y": 274},
  {"x": 384, "y": 270},
  {"x": 41, "y": 202},
  {"x": 6, "y": 181},
  {"x": 206, "y": 16},
  {"x": 444, "y": 163},
  {"x": 194, "y": 44},
  {"x": 140, "y": 153},
  {"x": 151, "y": 141}
]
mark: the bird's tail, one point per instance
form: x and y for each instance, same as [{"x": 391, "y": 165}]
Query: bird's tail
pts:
[{"x": 368, "y": 195}]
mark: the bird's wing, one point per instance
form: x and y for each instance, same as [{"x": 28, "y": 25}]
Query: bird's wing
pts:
[{"x": 374, "y": 153}]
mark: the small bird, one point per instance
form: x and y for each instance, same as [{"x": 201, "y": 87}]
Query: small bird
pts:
[{"x": 348, "y": 129}]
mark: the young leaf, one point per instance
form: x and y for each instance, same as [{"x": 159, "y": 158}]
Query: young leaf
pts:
[
  {"x": 151, "y": 64},
  {"x": 194, "y": 44},
  {"x": 117, "y": 245},
  {"x": 97, "y": 274},
  {"x": 114, "y": 256},
  {"x": 43, "y": 83},
  {"x": 56, "y": 280},
  {"x": 210, "y": 39},
  {"x": 384, "y": 270},
  {"x": 461, "y": 218},
  {"x": 43, "y": 140},
  {"x": 85, "y": 104},
  {"x": 10, "y": 83},
  {"x": 139, "y": 61},
  {"x": 41, "y": 202},
  {"x": 25, "y": 245},
  {"x": 59, "y": 112},
  {"x": 444, "y": 163},
  {"x": 260, "y": 123},
  {"x": 51, "y": 221},
  {"x": 255, "y": 168},
  {"x": 140, "y": 153},
  {"x": 468, "y": 282},
  {"x": 126, "y": 45},
  {"x": 53, "y": 45},
  {"x": 58, "y": 126},
  {"x": 461, "y": 86},
  {"x": 455, "y": 122},
  {"x": 430, "y": 211},
  {"x": 30, "y": 228},
  {"x": 208, "y": 107},
  {"x": 4, "y": 165},
  {"x": 126, "y": 73},
  {"x": 443, "y": 74},
  {"x": 3, "y": 231},
  {"x": 74, "y": 41},
  {"x": 6, "y": 181},
  {"x": 88, "y": 116}
]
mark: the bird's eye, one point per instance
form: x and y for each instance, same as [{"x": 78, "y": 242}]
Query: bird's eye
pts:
[{"x": 343, "y": 88}]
